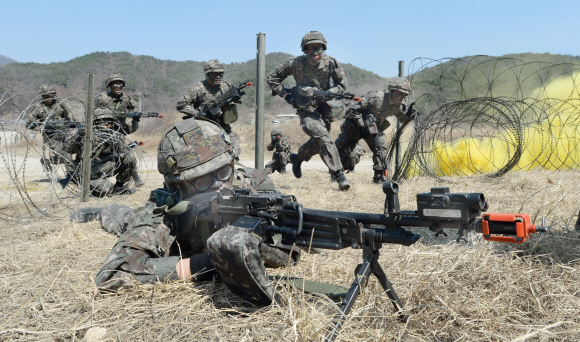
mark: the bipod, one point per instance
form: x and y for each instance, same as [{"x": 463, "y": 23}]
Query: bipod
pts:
[{"x": 370, "y": 265}]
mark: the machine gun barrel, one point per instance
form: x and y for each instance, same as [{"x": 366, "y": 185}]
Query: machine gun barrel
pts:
[{"x": 144, "y": 115}]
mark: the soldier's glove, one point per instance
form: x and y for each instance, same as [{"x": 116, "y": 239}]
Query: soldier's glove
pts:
[
  {"x": 236, "y": 98},
  {"x": 411, "y": 112},
  {"x": 291, "y": 100},
  {"x": 136, "y": 118}
]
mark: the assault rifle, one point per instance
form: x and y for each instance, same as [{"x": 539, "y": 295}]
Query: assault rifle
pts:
[
  {"x": 233, "y": 94},
  {"x": 96, "y": 164},
  {"x": 302, "y": 96},
  {"x": 270, "y": 214},
  {"x": 142, "y": 115}
]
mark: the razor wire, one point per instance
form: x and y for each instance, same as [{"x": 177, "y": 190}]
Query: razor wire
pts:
[
  {"x": 486, "y": 115},
  {"x": 32, "y": 168}
]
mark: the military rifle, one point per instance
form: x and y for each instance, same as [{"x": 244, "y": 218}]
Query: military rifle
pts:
[
  {"x": 267, "y": 215},
  {"x": 142, "y": 115},
  {"x": 302, "y": 96},
  {"x": 95, "y": 163},
  {"x": 233, "y": 94}
]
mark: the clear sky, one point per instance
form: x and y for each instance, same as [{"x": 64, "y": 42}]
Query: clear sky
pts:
[{"x": 373, "y": 35}]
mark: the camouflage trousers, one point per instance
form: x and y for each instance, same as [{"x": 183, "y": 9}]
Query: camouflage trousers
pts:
[
  {"x": 278, "y": 163},
  {"x": 123, "y": 169},
  {"x": 56, "y": 153},
  {"x": 148, "y": 249},
  {"x": 347, "y": 141},
  {"x": 320, "y": 141}
]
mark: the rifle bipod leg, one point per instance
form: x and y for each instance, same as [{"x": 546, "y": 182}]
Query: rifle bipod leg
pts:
[{"x": 369, "y": 265}]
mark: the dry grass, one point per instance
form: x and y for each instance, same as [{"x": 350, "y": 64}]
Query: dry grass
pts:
[{"x": 455, "y": 292}]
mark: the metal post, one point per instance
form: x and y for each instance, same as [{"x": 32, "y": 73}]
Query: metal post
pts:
[
  {"x": 260, "y": 87},
  {"x": 88, "y": 139},
  {"x": 398, "y": 147},
  {"x": 140, "y": 111}
]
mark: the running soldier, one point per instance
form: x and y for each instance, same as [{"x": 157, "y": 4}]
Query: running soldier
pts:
[
  {"x": 282, "y": 148},
  {"x": 163, "y": 240},
  {"x": 321, "y": 72},
  {"x": 204, "y": 92},
  {"x": 53, "y": 136},
  {"x": 368, "y": 119},
  {"x": 118, "y": 102},
  {"x": 112, "y": 157}
]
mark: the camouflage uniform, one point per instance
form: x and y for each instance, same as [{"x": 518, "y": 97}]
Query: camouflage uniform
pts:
[
  {"x": 203, "y": 92},
  {"x": 56, "y": 136},
  {"x": 281, "y": 156},
  {"x": 114, "y": 158},
  {"x": 155, "y": 237},
  {"x": 119, "y": 105},
  {"x": 314, "y": 118}
]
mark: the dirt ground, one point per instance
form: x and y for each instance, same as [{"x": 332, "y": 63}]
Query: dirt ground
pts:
[{"x": 475, "y": 291}]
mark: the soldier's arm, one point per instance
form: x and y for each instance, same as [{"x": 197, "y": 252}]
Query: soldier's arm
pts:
[
  {"x": 270, "y": 146},
  {"x": 338, "y": 77},
  {"x": 185, "y": 104},
  {"x": 276, "y": 78},
  {"x": 100, "y": 101},
  {"x": 33, "y": 116}
]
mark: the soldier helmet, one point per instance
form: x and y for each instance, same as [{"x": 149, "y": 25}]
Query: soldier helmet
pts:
[
  {"x": 313, "y": 37},
  {"x": 103, "y": 114},
  {"x": 276, "y": 131},
  {"x": 113, "y": 78},
  {"x": 400, "y": 84},
  {"x": 213, "y": 66},
  {"x": 46, "y": 89},
  {"x": 193, "y": 148}
]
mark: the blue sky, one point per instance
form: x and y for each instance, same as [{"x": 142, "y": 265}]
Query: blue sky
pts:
[{"x": 373, "y": 35}]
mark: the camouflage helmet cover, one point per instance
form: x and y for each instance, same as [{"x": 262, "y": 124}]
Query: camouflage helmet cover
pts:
[
  {"x": 400, "y": 84},
  {"x": 213, "y": 66},
  {"x": 113, "y": 78},
  {"x": 103, "y": 114},
  {"x": 276, "y": 131},
  {"x": 46, "y": 89},
  {"x": 313, "y": 37},
  {"x": 192, "y": 148}
]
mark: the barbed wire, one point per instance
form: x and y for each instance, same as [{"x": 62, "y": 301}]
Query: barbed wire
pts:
[
  {"x": 490, "y": 115},
  {"x": 32, "y": 166}
]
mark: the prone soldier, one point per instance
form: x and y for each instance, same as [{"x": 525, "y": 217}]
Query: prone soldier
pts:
[
  {"x": 118, "y": 102},
  {"x": 281, "y": 155},
  {"x": 206, "y": 91},
  {"x": 112, "y": 157},
  {"x": 321, "y": 72},
  {"x": 163, "y": 240},
  {"x": 49, "y": 109},
  {"x": 368, "y": 119}
]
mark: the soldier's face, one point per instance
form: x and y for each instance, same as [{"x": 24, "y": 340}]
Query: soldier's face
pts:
[
  {"x": 397, "y": 97},
  {"x": 47, "y": 99},
  {"x": 214, "y": 78},
  {"x": 314, "y": 52},
  {"x": 116, "y": 88}
]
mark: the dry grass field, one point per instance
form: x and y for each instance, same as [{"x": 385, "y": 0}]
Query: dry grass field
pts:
[{"x": 475, "y": 291}]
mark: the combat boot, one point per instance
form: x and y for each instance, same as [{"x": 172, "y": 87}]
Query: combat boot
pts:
[
  {"x": 578, "y": 223},
  {"x": 283, "y": 169},
  {"x": 296, "y": 163},
  {"x": 138, "y": 181},
  {"x": 379, "y": 178},
  {"x": 85, "y": 214},
  {"x": 122, "y": 190},
  {"x": 343, "y": 183}
]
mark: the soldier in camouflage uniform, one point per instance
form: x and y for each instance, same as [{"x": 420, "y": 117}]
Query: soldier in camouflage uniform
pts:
[
  {"x": 204, "y": 92},
  {"x": 112, "y": 156},
  {"x": 322, "y": 72},
  {"x": 368, "y": 120},
  {"x": 163, "y": 240},
  {"x": 49, "y": 109},
  {"x": 118, "y": 102},
  {"x": 281, "y": 155}
]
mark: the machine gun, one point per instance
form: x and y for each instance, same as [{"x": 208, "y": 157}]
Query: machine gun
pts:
[
  {"x": 142, "y": 115},
  {"x": 233, "y": 94},
  {"x": 95, "y": 164},
  {"x": 270, "y": 214},
  {"x": 302, "y": 96}
]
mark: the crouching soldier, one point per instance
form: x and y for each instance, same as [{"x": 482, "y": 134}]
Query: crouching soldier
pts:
[
  {"x": 163, "y": 240},
  {"x": 282, "y": 150}
]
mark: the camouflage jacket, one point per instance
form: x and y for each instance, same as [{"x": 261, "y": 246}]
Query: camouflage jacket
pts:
[
  {"x": 42, "y": 112},
  {"x": 104, "y": 144},
  {"x": 120, "y": 106},
  {"x": 305, "y": 74},
  {"x": 200, "y": 93},
  {"x": 377, "y": 104},
  {"x": 281, "y": 145}
]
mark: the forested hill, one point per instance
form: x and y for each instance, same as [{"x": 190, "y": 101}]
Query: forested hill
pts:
[
  {"x": 161, "y": 82},
  {"x": 5, "y": 60}
]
